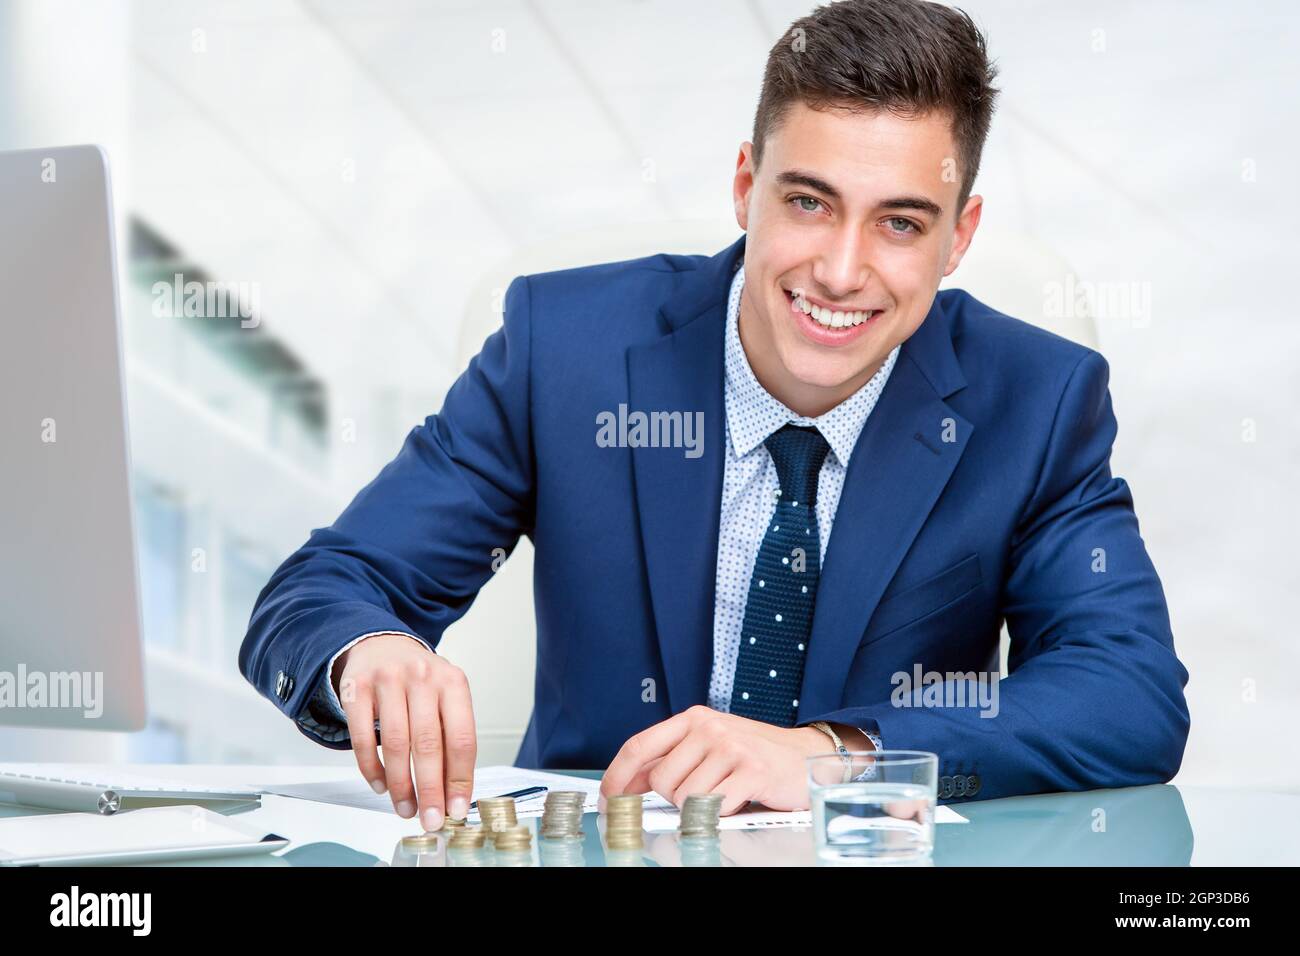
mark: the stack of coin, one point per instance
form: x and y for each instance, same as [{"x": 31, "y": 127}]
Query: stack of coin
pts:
[
  {"x": 497, "y": 813},
  {"x": 451, "y": 823},
  {"x": 466, "y": 838},
  {"x": 699, "y": 818},
  {"x": 562, "y": 815},
  {"x": 420, "y": 843},
  {"x": 623, "y": 822},
  {"x": 514, "y": 839},
  {"x": 466, "y": 848}
]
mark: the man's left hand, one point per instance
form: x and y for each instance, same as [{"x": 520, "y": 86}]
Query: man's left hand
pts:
[{"x": 702, "y": 750}]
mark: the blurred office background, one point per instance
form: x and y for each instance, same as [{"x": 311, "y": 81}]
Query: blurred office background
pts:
[{"x": 371, "y": 175}]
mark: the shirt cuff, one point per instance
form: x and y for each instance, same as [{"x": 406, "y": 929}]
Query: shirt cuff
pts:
[{"x": 870, "y": 772}]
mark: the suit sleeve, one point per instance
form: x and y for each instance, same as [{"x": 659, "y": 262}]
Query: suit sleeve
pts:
[
  {"x": 411, "y": 551},
  {"x": 1094, "y": 697}
]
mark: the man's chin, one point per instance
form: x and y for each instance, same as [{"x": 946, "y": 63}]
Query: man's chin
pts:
[{"x": 815, "y": 372}]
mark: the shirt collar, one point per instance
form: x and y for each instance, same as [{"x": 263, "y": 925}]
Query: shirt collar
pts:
[{"x": 753, "y": 413}]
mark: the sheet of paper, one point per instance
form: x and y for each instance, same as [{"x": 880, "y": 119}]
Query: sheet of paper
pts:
[{"x": 658, "y": 814}]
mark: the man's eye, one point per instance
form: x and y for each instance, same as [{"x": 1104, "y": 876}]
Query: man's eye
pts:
[
  {"x": 804, "y": 199},
  {"x": 907, "y": 224}
]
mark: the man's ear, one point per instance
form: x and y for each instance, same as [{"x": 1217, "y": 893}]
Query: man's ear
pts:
[
  {"x": 743, "y": 184},
  {"x": 967, "y": 223}
]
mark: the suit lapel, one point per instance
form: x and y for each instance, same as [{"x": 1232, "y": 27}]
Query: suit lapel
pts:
[
  {"x": 898, "y": 469},
  {"x": 679, "y": 498}
]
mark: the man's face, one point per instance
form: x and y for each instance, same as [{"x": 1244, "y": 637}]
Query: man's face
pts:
[{"x": 857, "y": 213}]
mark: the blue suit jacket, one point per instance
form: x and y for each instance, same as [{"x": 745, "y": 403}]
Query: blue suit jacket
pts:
[{"x": 980, "y": 489}]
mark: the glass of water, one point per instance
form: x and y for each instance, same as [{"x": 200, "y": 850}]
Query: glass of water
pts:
[{"x": 874, "y": 806}]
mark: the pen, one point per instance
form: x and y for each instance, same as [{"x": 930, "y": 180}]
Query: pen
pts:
[{"x": 526, "y": 792}]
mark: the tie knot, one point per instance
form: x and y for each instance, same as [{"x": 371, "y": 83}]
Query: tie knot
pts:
[{"x": 798, "y": 452}]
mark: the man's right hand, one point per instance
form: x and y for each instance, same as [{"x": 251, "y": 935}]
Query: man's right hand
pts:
[{"x": 423, "y": 704}]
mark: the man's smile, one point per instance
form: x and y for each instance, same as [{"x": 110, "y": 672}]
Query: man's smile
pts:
[{"x": 824, "y": 325}]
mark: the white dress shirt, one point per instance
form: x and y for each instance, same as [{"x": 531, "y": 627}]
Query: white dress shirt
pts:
[{"x": 750, "y": 485}]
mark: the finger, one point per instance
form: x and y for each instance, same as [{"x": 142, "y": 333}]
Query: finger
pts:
[
  {"x": 677, "y": 765},
  {"x": 705, "y": 778},
  {"x": 906, "y": 809},
  {"x": 651, "y": 744},
  {"x": 639, "y": 784},
  {"x": 426, "y": 745},
  {"x": 737, "y": 790},
  {"x": 457, "y": 710},
  {"x": 359, "y": 707},
  {"x": 394, "y": 737}
]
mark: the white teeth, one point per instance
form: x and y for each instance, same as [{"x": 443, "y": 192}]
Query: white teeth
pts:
[{"x": 830, "y": 318}]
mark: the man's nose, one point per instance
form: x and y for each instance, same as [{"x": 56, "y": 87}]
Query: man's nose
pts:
[{"x": 841, "y": 269}]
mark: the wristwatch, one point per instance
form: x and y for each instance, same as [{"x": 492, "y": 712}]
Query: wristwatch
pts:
[{"x": 839, "y": 748}]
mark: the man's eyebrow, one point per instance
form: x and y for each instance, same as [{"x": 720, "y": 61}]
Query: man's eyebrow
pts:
[
  {"x": 918, "y": 203},
  {"x": 798, "y": 177}
]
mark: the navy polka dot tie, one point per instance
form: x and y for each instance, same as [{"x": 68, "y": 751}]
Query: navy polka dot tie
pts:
[{"x": 783, "y": 590}]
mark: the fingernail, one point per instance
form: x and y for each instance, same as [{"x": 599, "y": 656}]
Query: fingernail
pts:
[
  {"x": 432, "y": 819},
  {"x": 406, "y": 809},
  {"x": 378, "y": 786},
  {"x": 459, "y": 808},
  {"x": 600, "y": 804}
]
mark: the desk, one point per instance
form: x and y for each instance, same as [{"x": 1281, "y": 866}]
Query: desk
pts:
[{"x": 1162, "y": 825}]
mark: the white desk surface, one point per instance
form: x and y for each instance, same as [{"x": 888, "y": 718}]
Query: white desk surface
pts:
[{"x": 1205, "y": 826}]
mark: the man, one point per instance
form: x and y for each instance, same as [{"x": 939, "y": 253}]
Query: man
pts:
[{"x": 765, "y": 489}]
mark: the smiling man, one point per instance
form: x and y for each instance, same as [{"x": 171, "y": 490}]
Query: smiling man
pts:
[{"x": 882, "y": 475}]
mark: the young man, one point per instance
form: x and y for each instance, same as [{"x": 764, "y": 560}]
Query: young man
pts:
[{"x": 766, "y": 489}]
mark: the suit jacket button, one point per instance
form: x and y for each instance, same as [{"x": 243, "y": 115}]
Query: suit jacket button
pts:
[
  {"x": 972, "y": 785},
  {"x": 958, "y": 785},
  {"x": 945, "y": 788},
  {"x": 279, "y": 685}
]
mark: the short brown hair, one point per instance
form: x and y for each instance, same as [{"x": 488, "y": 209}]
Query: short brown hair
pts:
[{"x": 907, "y": 56}]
